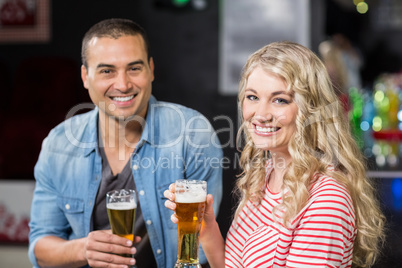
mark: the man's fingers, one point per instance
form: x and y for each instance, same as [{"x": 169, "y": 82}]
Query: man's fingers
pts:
[
  {"x": 110, "y": 260},
  {"x": 137, "y": 239},
  {"x": 109, "y": 248},
  {"x": 107, "y": 237}
]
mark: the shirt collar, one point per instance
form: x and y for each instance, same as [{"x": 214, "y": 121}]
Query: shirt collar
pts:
[
  {"x": 149, "y": 123},
  {"x": 91, "y": 140}
]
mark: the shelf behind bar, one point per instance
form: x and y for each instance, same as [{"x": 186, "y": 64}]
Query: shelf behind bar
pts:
[{"x": 385, "y": 174}]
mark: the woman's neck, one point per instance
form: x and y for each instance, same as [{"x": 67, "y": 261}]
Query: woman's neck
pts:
[{"x": 280, "y": 163}]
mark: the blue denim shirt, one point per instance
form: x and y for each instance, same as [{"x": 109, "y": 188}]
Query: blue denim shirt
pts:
[{"x": 177, "y": 142}]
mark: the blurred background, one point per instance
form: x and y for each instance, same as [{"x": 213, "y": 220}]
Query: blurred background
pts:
[{"x": 199, "y": 48}]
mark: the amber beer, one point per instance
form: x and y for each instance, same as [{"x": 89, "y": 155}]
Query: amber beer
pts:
[
  {"x": 122, "y": 218},
  {"x": 121, "y": 206},
  {"x": 190, "y": 207}
]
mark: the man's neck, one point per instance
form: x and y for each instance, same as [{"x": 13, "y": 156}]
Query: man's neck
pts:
[
  {"x": 119, "y": 139},
  {"x": 119, "y": 132}
]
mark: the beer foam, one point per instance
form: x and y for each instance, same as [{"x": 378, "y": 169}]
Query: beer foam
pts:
[
  {"x": 191, "y": 197},
  {"x": 122, "y": 206}
]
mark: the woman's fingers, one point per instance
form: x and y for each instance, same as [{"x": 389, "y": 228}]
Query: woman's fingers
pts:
[
  {"x": 169, "y": 194},
  {"x": 170, "y": 205},
  {"x": 209, "y": 210},
  {"x": 174, "y": 218}
]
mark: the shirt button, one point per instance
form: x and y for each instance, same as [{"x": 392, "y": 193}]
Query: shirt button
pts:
[
  {"x": 135, "y": 167},
  {"x": 67, "y": 206},
  {"x": 149, "y": 222},
  {"x": 142, "y": 192},
  {"x": 158, "y": 251}
]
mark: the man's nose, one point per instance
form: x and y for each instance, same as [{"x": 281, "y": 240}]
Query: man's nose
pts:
[{"x": 122, "y": 82}]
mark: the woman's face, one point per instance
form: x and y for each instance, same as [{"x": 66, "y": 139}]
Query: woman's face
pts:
[{"x": 269, "y": 111}]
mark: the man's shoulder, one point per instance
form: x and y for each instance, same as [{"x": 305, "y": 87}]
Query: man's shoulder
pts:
[
  {"x": 169, "y": 109},
  {"x": 76, "y": 129},
  {"x": 172, "y": 123},
  {"x": 178, "y": 118}
]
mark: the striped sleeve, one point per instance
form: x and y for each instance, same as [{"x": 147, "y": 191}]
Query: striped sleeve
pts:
[{"x": 326, "y": 229}]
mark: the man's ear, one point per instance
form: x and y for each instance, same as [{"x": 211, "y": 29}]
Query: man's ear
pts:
[
  {"x": 152, "y": 67},
  {"x": 84, "y": 76}
]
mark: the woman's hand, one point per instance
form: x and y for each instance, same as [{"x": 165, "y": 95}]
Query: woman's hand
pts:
[
  {"x": 210, "y": 236},
  {"x": 209, "y": 215},
  {"x": 170, "y": 204}
]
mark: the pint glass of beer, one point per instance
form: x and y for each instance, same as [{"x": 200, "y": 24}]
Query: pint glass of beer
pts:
[
  {"x": 121, "y": 206},
  {"x": 190, "y": 206}
]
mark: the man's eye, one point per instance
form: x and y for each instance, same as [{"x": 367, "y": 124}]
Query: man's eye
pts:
[
  {"x": 105, "y": 71},
  {"x": 135, "y": 69}
]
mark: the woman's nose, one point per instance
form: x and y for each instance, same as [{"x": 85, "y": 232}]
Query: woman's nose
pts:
[{"x": 264, "y": 113}]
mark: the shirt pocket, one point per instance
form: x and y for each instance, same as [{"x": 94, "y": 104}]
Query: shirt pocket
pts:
[
  {"x": 73, "y": 209},
  {"x": 165, "y": 212}
]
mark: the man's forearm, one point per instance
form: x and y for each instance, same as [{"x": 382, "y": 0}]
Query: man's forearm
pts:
[{"x": 52, "y": 251}]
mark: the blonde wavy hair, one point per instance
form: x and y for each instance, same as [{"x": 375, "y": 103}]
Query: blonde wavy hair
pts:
[{"x": 322, "y": 139}]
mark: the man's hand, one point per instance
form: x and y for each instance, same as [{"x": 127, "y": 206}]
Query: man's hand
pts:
[{"x": 102, "y": 247}]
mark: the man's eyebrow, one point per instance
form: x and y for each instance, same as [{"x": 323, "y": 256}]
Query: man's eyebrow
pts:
[
  {"x": 105, "y": 65},
  {"x": 136, "y": 62}
]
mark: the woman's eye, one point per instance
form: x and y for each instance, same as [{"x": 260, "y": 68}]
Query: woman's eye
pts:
[
  {"x": 252, "y": 97},
  {"x": 281, "y": 101}
]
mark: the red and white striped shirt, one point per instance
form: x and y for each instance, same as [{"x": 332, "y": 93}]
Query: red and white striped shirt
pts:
[{"x": 321, "y": 235}]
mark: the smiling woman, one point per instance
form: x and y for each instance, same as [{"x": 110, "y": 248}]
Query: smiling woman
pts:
[
  {"x": 305, "y": 200},
  {"x": 312, "y": 190}
]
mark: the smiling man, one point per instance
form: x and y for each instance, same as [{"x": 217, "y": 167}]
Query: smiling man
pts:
[{"x": 119, "y": 144}]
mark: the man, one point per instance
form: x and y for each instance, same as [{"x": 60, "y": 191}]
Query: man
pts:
[{"x": 130, "y": 140}]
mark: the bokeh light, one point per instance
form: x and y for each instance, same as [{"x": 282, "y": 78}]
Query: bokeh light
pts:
[
  {"x": 396, "y": 187},
  {"x": 379, "y": 96},
  {"x": 377, "y": 123},
  {"x": 362, "y": 7},
  {"x": 356, "y": 2},
  {"x": 364, "y": 125}
]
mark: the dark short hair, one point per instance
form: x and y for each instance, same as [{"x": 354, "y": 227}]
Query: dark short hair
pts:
[{"x": 113, "y": 28}]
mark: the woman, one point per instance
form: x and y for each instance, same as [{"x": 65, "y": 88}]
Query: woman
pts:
[{"x": 305, "y": 200}]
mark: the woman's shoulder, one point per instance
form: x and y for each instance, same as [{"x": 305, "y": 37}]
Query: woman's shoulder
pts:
[{"x": 327, "y": 188}]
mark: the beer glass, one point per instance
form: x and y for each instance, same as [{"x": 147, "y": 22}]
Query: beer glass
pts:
[
  {"x": 190, "y": 206},
  {"x": 121, "y": 206}
]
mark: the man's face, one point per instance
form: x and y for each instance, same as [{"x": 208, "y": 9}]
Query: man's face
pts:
[{"x": 119, "y": 76}]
